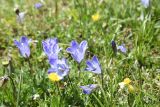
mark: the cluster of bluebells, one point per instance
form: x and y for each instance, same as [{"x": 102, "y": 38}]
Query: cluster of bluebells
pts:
[
  {"x": 77, "y": 52},
  {"x": 59, "y": 67}
]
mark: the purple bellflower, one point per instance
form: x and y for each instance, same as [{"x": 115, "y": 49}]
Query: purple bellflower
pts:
[
  {"x": 122, "y": 48},
  {"x": 145, "y": 3},
  {"x": 51, "y": 48},
  {"x": 23, "y": 46},
  {"x": 88, "y": 88},
  {"x": 58, "y": 67},
  {"x": 77, "y": 51},
  {"x": 38, "y": 5},
  {"x": 93, "y": 65}
]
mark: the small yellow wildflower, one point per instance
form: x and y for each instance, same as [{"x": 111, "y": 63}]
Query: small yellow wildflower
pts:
[
  {"x": 127, "y": 81},
  {"x": 95, "y": 17},
  {"x": 54, "y": 77},
  {"x": 5, "y": 61},
  {"x": 131, "y": 88}
]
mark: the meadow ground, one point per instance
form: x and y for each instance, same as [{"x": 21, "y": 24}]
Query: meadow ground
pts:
[{"x": 123, "y": 34}]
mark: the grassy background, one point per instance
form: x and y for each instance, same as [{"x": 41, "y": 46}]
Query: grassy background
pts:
[{"x": 72, "y": 20}]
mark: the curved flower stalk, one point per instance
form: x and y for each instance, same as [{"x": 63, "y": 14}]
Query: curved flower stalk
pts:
[
  {"x": 88, "y": 88},
  {"x": 93, "y": 65},
  {"x": 77, "y": 51},
  {"x": 145, "y": 3},
  {"x": 23, "y": 46},
  {"x": 51, "y": 48},
  {"x": 59, "y": 69}
]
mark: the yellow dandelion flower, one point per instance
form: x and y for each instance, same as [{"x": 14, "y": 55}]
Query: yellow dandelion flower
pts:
[
  {"x": 95, "y": 17},
  {"x": 131, "y": 88},
  {"x": 127, "y": 81},
  {"x": 54, "y": 77}
]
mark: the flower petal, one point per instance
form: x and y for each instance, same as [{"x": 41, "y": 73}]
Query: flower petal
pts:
[
  {"x": 83, "y": 46},
  {"x": 122, "y": 48}
]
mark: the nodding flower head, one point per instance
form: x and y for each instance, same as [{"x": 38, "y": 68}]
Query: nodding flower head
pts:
[
  {"x": 59, "y": 69},
  {"x": 23, "y": 46},
  {"x": 51, "y": 48},
  {"x": 93, "y": 65},
  {"x": 77, "y": 51},
  {"x": 88, "y": 88}
]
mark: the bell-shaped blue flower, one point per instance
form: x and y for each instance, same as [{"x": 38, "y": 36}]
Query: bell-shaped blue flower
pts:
[
  {"x": 122, "y": 48},
  {"x": 38, "y": 5},
  {"x": 88, "y": 88},
  {"x": 145, "y": 3},
  {"x": 23, "y": 46},
  {"x": 93, "y": 65},
  {"x": 51, "y": 48},
  {"x": 59, "y": 69},
  {"x": 77, "y": 51}
]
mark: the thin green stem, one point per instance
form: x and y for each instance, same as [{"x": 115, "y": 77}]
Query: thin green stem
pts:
[
  {"x": 79, "y": 70},
  {"x": 102, "y": 79},
  {"x": 31, "y": 72},
  {"x": 13, "y": 88}
]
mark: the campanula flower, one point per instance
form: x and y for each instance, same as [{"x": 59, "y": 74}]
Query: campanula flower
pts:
[
  {"x": 59, "y": 69},
  {"x": 145, "y": 3},
  {"x": 23, "y": 46},
  {"x": 51, "y": 48},
  {"x": 122, "y": 48},
  {"x": 38, "y": 5},
  {"x": 88, "y": 88},
  {"x": 93, "y": 65},
  {"x": 77, "y": 51}
]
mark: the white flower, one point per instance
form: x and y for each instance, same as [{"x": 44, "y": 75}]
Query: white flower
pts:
[{"x": 35, "y": 96}]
